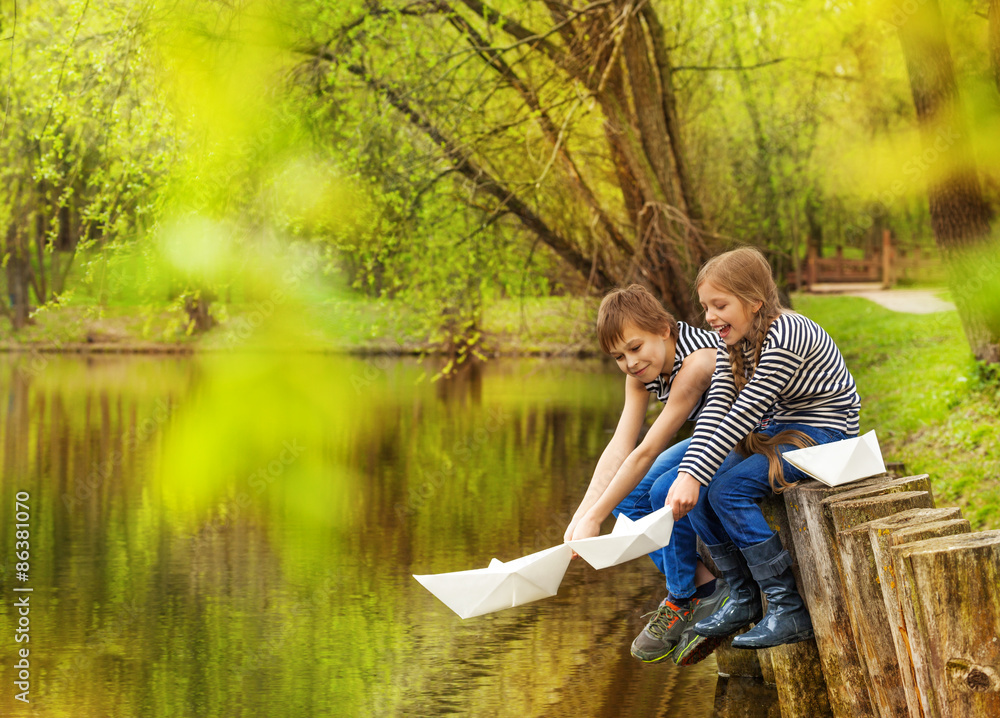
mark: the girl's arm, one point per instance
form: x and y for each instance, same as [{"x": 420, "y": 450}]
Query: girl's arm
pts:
[
  {"x": 778, "y": 365},
  {"x": 691, "y": 382},
  {"x": 720, "y": 399}
]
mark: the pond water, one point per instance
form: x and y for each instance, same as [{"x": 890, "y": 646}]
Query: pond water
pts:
[{"x": 235, "y": 536}]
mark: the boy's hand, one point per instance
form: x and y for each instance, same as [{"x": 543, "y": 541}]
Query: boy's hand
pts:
[
  {"x": 570, "y": 529},
  {"x": 683, "y": 495},
  {"x": 586, "y": 527}
]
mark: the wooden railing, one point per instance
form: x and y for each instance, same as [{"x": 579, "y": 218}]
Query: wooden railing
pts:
[{"x": 887, "y": 266}]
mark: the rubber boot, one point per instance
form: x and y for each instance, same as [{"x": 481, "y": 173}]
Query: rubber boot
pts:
[
  {"x": 743, "y": 606},
  {"x": 787, "y": 619}
]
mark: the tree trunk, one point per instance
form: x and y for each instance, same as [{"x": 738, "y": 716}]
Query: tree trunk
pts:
[
  {"x": 994, "y": 30},
  {"x": 18, "y": 275},
  {"x": 642, "y": 126},
  {"x": 196, "y": 306},
  {"x": 960, "y": 215}
]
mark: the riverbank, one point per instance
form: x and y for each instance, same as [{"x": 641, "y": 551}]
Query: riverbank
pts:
[
  {"x": 552, "y": 326},
  {"x": 933, "y": 408}
]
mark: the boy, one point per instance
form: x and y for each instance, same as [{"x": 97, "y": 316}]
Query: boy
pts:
[{"x": 675, "y": 362}]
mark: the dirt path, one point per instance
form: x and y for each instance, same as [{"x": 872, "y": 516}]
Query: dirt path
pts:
[{"x": 912, "y": 301}]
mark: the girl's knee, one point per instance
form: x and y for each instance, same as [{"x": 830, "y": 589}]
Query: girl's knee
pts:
[{"x": 724, "y": 492}]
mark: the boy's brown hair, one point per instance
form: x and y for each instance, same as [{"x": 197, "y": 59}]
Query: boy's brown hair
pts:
[{"x": 635, "y": 305}]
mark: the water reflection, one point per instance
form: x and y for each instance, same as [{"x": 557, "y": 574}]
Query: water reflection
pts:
[{"x": 230, "y": 537}]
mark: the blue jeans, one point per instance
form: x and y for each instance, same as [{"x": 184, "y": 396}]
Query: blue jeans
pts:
[
  {"x": 728, "y": 508},
  {"x": 678, "y": 559}
]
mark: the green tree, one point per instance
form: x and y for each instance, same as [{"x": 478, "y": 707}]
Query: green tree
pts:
[
  {"x": 960, "y": 214},
  {"x": 563, "y": 117},
  {"x": 83, "y": 141}
]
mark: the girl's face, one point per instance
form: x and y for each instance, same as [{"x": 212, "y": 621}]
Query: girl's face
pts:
[
  {"x": 726, "y": 314},
  {"x": 641, "y": 353}
]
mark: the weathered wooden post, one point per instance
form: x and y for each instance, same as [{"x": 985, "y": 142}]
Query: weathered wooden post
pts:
[
  {"x": 811, "y": 266},
  {"x": 866, "y": 607},
  {"x": 894, "y": 589},
  {"x": 798, "y": 672},
  {"x": 818, "y": 579},
  {"x": 879, "y": 620},
  {"x": 887, "y": 278},
  {"x": 813, "y": 535},
  {"x": 952, "y": 586}
]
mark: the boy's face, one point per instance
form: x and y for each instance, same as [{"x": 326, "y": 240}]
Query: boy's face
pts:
[
  {"x": 726, "y": 314},
  {"x": 641, "y": 353}
]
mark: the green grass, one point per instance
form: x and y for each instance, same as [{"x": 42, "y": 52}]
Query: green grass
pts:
[{"x": 932, "y": 407}]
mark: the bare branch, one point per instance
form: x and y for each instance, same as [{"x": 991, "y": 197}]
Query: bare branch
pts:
[
  {"x": 549, "y": 128},
  {"x": 726, "y": 68},
  {"x": 464, "y": 164},
  {"x": 514, "y": 28}
]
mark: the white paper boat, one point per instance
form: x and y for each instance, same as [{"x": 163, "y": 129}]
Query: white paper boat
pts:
[
  {"x": 840, "y": 462},
  {"x": 628, "y": 540},
  {"x": 500, "y": 585}
]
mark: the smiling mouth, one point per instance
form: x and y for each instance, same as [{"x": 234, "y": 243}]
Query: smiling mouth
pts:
[
  {"x": 723, "y": 330},
  {"x": 637, "y": 373}
]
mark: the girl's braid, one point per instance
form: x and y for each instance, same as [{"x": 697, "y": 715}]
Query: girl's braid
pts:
[{"x": 745, "y": 274}]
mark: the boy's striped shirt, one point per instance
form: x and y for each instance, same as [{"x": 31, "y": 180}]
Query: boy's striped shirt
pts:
[
  {"x": 802, "y": 379},
  {"x": 689, "y": 339}
]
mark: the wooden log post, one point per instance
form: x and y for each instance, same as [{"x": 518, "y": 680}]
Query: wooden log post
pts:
[
  {"x": 866, "y": 607},
  {"x": 811, "y": 266},
  {"x": 798, "y": 672},
  {"x": 889, "y": 631},
  {"x": 952, "y": 583},
  {"x": 812, "y": 534},
  {"x": 915, "y": 658},
  {"x": 743, "y": 697},
  {"x": 895, "y": 468},
  {"x": 887, "y": 279}
]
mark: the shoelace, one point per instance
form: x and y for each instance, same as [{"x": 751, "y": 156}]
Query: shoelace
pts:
[{"x": 659, "y": 625}]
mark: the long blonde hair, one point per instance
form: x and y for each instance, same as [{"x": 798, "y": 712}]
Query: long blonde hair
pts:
[{"x": 745, "y": 274}]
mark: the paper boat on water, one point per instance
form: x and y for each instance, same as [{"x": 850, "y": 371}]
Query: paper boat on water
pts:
[
  {"x": 500, "y": 585},
  {"x": 840, "y": 462},
  {"x": 628, "y": 540}
]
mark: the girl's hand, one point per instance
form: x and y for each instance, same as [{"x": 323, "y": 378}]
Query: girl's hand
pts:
[
  {"x": 683, "y": 494},
  {"x": 586, "y": 527}
]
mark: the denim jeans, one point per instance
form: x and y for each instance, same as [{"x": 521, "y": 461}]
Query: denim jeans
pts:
[
  {"x": 728, "y": 508},
  {"x": 676, "y": 560}
]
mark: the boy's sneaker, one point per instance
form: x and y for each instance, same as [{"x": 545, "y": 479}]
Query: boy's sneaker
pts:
[
  {"x": 660, "y": 636},
  {"x": 692, "y": 648}
]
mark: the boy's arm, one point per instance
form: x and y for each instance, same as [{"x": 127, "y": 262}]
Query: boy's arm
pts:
[
  {"x": 621, "y": 444},
  {"x": 691, "y": 382}
]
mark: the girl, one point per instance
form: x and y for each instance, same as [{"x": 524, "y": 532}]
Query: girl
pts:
[
  {"x": 779, "y": 382},
  {"x": 674, "y": 362}
]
